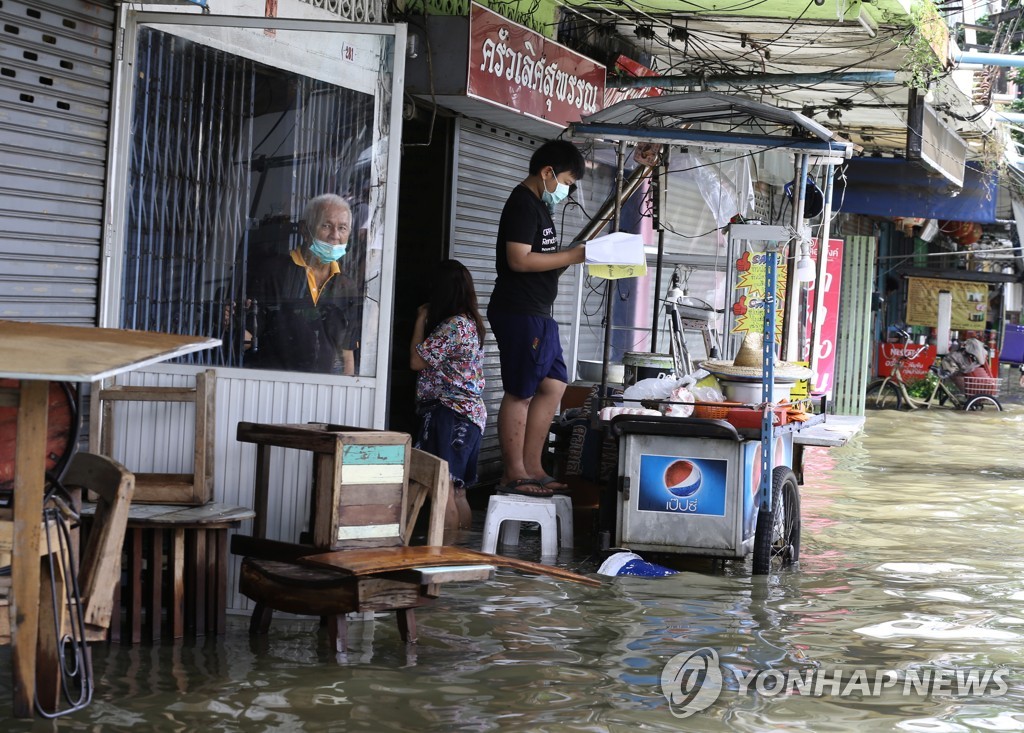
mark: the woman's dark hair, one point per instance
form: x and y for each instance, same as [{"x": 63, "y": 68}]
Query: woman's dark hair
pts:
[
  {"x": 561, "y": 155},
  {"x": 453, "y": 295}
]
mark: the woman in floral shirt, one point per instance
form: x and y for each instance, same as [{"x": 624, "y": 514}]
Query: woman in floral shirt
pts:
[{"x": 447, "y": 351}]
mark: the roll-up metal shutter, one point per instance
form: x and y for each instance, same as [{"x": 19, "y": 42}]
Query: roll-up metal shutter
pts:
[
  {"x": 489, "y": 162},
  {"x": 55, "y": 89}
]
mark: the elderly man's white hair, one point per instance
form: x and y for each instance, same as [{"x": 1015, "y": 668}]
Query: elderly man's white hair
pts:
[{"x": 313, "y": 215}]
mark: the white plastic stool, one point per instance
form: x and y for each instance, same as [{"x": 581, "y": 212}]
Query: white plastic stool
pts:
[{"x": 506, "y": 511}]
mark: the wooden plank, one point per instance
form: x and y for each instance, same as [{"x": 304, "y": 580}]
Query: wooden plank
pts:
[
  {"x": 374, "y": 455},
  {"x": 176, "y": 563},
  {"x": 125, "y": 393},
  {"x": 381, "y": 473},
  {"x": 366, "y": 531},
  {"x": 382, "y": 594},
  {"x": 262, "y": 490},
  {"x": 264, "y": 549},
  {"x": 153, "y": 515},
  {"x": 432, "y": 472},
  {"x": 156, "y": 579},
  {"x": 445, "y": 574},
  {"x": 366, "y": 514},
  {"x": 85, "y": 354},
  {"x": 326, "y": 492},
  {"x": 135, "y": 574},
  {"x": 205, "y": 424},
  {"x": 390, "y": 559},
  {"x": 370, "y": 494},
  {"x": 29, "y": 471}
]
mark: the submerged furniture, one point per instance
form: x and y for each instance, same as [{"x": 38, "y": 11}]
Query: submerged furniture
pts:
[
  {"x": 359, "y": 501},
  {"x": 36, "y": 354},
  {"x": 506, "y": 512},
  {"x": 176, "y": 549},
  {"x": 367, "y": 486},
  {"x": 191, "y": 489},
  {"x": 175, "y": 571}
]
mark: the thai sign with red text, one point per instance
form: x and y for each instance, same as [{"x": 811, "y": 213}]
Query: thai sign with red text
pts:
[
  {"x": 515, "y": 67},
  {"x": 912, "y": 369},
  {"x": 828, "y": 321}
]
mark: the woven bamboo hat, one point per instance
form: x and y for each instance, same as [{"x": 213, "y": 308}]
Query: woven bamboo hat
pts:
[{"x": 747, "y": 364}]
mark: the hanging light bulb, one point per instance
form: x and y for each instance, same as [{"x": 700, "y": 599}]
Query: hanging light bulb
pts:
[{"x": 805, "y": 265}]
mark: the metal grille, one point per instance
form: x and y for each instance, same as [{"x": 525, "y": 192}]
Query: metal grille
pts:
[
  {"x": 361, "y": 11},
  {"x": 225, "y": 153}
]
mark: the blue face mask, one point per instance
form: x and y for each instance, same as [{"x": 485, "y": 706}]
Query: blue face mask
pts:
[
  {"x": 328, "y": 252},
  {"x": 553, "y": 198}
]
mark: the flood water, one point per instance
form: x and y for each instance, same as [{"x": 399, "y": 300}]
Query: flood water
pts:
[{"x": 911, "y": 561}]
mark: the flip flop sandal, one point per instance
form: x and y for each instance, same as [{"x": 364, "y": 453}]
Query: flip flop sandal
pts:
[
  {"x": 516, "y": 487},
  {"x": 547, "y": 481}
]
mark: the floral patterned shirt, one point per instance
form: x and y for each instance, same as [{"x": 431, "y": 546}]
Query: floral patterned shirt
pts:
[{"x": 456, "y": 372}]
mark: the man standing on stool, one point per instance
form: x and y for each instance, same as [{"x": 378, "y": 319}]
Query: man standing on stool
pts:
[{"x": 529, "y": 262}]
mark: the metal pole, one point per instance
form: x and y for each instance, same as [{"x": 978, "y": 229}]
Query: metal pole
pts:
[
  {"x": 790, "y": 322},
  {"x": 613, "y": 204},
  {"x": 620, "y": 157},
  {"x": 738, "y": 80},
  {"x": 768, "y": 376},
  {"x": 660, "y": 209}
]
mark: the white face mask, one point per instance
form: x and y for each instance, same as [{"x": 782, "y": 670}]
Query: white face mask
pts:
[
  {"x": 553, "y": 198},
  {"x": 326, "y": 252}
]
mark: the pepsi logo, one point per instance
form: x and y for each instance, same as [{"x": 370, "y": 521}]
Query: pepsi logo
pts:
[{"x": 682, "y": 478}]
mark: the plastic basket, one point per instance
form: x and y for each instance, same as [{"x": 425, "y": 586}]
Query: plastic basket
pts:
[
  {"x": 719, "y": 411},
  {"x": 982, "y": 385}
]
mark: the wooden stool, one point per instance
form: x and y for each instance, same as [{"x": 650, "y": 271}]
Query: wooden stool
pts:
[{"x": 176, "y": 565}]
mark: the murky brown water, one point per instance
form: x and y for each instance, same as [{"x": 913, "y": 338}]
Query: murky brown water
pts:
[{"x": 912, "y": 559}]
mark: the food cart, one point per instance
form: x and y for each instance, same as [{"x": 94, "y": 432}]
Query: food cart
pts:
[{"x": 721, "y": 487}]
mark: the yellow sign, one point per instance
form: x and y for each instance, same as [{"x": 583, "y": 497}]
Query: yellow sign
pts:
[
  {"x": 617, "y": 272},
  {"x": 970, "y": 302},
  {"x": 802, "y": 389}
]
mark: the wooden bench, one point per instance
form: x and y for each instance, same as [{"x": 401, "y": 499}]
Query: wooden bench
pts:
[{"x": 175, "y": 571}]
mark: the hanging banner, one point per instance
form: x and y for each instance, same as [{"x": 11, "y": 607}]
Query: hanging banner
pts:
[
  {"x": 828, "y": 322},
  {"x": 970, "y": 302},
  {"x": 523, "y": 71},
  {"x": 749, "y": 303}
]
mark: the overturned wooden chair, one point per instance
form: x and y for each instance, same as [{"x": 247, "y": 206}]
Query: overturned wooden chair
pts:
[{"x": 368, "y": 486}]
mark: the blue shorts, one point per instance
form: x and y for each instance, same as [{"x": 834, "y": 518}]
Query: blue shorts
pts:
[
  {"x": 451, "y": 437},
  {"x": 529, "y": 351}
]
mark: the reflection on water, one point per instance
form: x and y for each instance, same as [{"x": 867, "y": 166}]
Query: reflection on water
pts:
[{"x": 910, "y": 560}]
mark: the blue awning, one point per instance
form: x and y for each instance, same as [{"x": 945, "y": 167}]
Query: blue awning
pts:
[{"x": 891, "y": 187}]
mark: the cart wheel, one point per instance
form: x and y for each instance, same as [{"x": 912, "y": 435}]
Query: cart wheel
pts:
[
  {"x": 777, "y": 536},
  {"x": 883, "y": 396},
  {"x": 983, "y": 402}
]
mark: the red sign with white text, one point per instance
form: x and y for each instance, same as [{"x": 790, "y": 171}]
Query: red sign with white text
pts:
[
  {"x": 828, "y": 323},
  {"x": 913, "y": 369},
  {"x": 517, "y": 68}
]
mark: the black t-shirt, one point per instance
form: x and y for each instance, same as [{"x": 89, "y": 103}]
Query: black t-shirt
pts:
[
  {"x": 525, "y": 219},
  {"x": 291, "y": 332}
]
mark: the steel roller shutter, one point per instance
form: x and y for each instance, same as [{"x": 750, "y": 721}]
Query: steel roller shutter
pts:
[{"x": 55, "y": 61}]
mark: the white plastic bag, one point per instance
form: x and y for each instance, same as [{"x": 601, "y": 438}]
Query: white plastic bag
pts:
[
  {"x": 679, "y": 395},
  {"x": 707, "y": 394},
  {"x": 651, "y": 389}
]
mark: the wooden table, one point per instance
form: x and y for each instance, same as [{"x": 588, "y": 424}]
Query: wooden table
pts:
[{"x": 36, "y": 354}]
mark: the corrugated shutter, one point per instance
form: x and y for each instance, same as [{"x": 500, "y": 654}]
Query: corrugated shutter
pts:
[
  {"x": 55, "y": 61},
  {"x": 490, "y": 161}
]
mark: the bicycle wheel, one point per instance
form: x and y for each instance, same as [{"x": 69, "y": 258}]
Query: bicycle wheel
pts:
[
  {"x": 777, "y": 535},
  {"x": 983, "y": 402},
  {"x": 883, "y": 395}
]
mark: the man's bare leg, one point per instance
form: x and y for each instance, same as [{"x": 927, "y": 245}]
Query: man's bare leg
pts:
[
  {"x": 538, "y": 425},
  {"x": 512, "y": 417}
]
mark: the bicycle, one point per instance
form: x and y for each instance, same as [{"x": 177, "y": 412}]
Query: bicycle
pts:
[{"x": 892, "y": 393}]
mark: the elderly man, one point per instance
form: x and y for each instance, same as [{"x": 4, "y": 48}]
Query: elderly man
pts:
[{"x": 307, "y": 309}]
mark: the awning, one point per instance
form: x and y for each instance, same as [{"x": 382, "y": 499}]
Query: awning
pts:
[{"x": 893, "y": 187}]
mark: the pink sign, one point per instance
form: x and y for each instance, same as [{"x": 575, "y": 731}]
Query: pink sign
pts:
[
  {"x": 517, "y": 68},
  {"x": 828, "y": 323}
]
